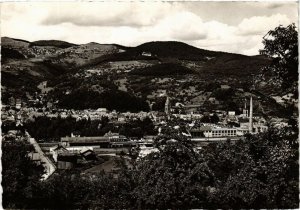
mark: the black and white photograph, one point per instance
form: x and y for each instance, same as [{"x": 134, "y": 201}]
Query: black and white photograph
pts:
[{"x": 149, "y": 105}]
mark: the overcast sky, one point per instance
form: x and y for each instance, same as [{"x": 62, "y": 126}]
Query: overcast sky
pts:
[{"x": 236, "y": 27}]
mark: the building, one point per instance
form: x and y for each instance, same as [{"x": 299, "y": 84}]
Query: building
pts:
[
  {"x": 101, "y": 141},
  {"x": 18, "y": 104},
  {"x": 55, "y": 151},
  {"x": 121, "y": 118},
  {"x": 102, "y": 111},
  {"x": 251, "y": 116},
  {"x": 63, "y": 157},
  {"x": 35, "y": 157},
  {"x": 108, "y": 140},
  {"x": 117, "y": 140},
  {"x": 231, "y": 117},
  {"x": 115, "y": 136},
  {"x": 66, "y": 161},
  {"x": 88, "y": 154},
  {"x": 144, "y": 151},
  {"x": 214, "y": 131},
  {"x": 192, "y": 109},
  {"x": 220, "y": 132},
  {"x": 148, "y": 54},
  {"x": 245, "y": 110},
  {"x": 225, "y": 87},
  {"x": 12, "y": 101}
]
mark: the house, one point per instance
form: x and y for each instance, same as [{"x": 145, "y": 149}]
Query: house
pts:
[
  {"x": 144, "y": 151},
  {"x": 114, "y": 137},
  {"x": 12, "y": 134},
  {"x": 231, "y": 113},
  {"x": 4, "y": 116},
  {"x": 55, "y": 151},
  {"x": 18, "y": 105},
  {"x": 88, "y": 154},
  {"x": 212, "y": 99},
  {"x": 11, "y": 101},
  {"x": 225, "y": 87},
  {"x": 198, "y": 99},
  {"x": 121, "y": 118},
  {"x": 192, "y": 108},
  {"x": 66, "y": 161},
  {"x": 102, "y": 110},
  {"x": 196, "y": 116},
  {"x": 49, "y": 105},
  {"x": 35, "y": 157},
  {"x": 146, "y": 54},
  {"x": 149, "y": 138},
  {"x": 279, "y": 122},
  {"x": 240, "y": 89}
]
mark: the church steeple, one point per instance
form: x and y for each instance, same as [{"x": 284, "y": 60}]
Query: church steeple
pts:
[{"x": 245, "y": 110}]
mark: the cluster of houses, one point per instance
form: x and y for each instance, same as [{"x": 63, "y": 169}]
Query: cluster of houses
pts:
[
  {"x": 80, "y": 149},
  {"x": 68, "y": 157},
  {"x": 286, "y": 99},
  {"x": 191, "y": 114},
  {"x": 74, "y": 149},
  {"x": 116, "y": 66}
]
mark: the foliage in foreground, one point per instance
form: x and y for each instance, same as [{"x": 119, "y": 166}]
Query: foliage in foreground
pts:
[
  {"x": 260, "y": 171},
  {"x": 281, "y": 44},
  {"x": 19, "y": 173}
]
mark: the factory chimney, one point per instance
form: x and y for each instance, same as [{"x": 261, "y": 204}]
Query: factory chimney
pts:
[
  {"x": 167, "y": 105},
  {"x": 251, "y": 116}
]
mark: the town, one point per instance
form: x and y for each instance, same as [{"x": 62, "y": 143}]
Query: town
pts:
[{"x": 66, "y": 151}]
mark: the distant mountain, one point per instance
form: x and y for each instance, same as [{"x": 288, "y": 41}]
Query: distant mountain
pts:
[
  {"x": 163, "y": 51},
  {"x": 138, "y": 73},
  {"x": 52, "y": 43},
  {"x": 174, "y": 49},
  {"x": 14, "y": 43}
]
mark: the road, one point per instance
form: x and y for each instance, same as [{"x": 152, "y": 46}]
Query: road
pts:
[{"x": 47, "y": 163}]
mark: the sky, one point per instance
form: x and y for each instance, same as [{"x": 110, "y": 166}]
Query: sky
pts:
[{"x": 236, "y": 27}]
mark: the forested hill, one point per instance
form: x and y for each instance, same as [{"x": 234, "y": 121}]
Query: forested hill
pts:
[
  {"x": 174, "y": 49},
  {"x": 132, "y": 71},
  {"x": 52, "y": 43}
]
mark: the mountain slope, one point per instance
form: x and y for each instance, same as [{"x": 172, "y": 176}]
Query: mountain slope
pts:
[
  {"x": 52, "y": 43},
  {"x": 164, "y": 69},
  {"x": 139, "y": 73}
]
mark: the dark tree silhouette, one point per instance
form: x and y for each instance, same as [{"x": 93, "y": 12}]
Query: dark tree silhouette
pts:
[
  {"x": 281, "y": 45},
  {"x": 19, "y": 174}
]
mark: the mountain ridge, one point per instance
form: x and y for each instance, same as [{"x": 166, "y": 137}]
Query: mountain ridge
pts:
[
  {"x": 120, "y": 70},
  {"x": 140, "y": 46}
]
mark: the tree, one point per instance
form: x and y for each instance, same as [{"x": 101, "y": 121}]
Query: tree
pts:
[
  {"x": 19, "y": 174},
  {"x": 72, "y": 190},
  {"x": 205, "y": 119},
  {"x": 281, "y": 45},
  {"x": 174, "y": 177},
  {"x": 260, "y": 171},
  {"x": 214, "y": 118}
]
